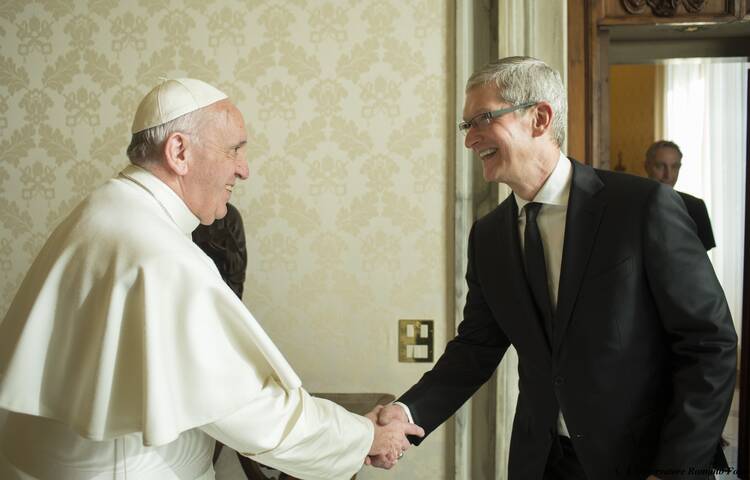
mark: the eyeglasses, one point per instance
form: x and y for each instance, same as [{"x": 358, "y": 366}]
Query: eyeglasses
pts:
[{"x": 483, "y": 119}]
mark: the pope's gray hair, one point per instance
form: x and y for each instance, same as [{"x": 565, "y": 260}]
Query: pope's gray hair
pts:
[
  {"x": 145, "y": 146},
  {"x": 526, "y": 79}
]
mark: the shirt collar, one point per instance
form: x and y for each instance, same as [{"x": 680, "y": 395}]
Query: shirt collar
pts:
[
  {"x": 172, "y": 204},
  {"x": 556, "y": 189}
]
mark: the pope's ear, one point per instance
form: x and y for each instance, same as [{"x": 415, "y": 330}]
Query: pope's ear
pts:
[{"x": 176, "y": 152}]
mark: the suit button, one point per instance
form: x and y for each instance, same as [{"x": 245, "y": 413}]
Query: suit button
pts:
[{"x": 559, "y": 381}]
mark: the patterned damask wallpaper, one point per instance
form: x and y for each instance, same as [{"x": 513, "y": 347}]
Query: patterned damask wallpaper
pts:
[{"x": 346, "y": 211}]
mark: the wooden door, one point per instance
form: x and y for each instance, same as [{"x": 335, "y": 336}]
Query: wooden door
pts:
[{"x": 589, "y": 25}]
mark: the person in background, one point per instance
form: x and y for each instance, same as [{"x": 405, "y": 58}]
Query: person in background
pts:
[
  {"x": 663, "y": 163},
  {"x": 224, "y": 242}
]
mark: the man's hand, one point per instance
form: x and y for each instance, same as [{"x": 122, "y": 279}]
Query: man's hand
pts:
[
  {"x": 390, "y": 440},
  {"x": 390, "y": 414}
]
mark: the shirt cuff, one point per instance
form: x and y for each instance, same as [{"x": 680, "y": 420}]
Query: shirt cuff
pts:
[{"x": 406, "y": 410}]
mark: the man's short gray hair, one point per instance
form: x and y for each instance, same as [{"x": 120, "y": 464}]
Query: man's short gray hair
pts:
[
  {"x": 146, "y": 145},
  {"x": 526, "y": 79},
  {"x": 651, "y": 152}
]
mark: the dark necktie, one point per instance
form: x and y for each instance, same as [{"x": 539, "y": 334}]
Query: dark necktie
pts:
[{"x": 536, "y": 268}]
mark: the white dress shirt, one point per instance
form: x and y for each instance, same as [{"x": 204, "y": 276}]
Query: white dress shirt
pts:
[{"x": 551, "y": 222}]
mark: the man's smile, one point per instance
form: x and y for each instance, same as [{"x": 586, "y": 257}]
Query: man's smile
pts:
[{"x": 487, "y": 153}]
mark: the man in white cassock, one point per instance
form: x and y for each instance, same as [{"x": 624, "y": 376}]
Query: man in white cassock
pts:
[{"x": 125, "y": 355}]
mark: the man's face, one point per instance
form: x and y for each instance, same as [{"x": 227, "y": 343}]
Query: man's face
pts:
[
  {"x": 664, "y": 166},
  {"x": 217, "y": 160},
  {"x": 503, "y": 144}
]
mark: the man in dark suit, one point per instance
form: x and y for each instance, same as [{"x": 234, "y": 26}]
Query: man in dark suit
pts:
[
  {"x": 663, "y": 163},
  {"x": 627, "y": 351}
]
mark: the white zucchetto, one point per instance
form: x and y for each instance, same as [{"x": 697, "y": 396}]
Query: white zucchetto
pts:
[{"x": 173, "y": 98}]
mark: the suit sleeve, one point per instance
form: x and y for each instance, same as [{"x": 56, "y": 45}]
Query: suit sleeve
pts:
[
  {"x": 702, "y": 221},
  {"x": 467, "y": 363},
  {"x": 701, "y": 338},
  {"x": 697, "y": 210}
]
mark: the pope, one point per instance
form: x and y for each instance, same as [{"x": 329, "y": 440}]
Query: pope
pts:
[{"x": 125, "y": 355}]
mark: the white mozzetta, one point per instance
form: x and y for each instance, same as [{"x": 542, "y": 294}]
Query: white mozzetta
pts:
[{"x": 123, "y": 331}]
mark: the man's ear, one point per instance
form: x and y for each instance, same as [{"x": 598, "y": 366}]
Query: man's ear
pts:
[
  {"x": 176, "y": 153},
  {"x": 542, "y": 121}
]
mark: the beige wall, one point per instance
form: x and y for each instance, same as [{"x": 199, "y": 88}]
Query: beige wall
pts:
[
  {"x": 346, "y": 210},
  {"x": 632, "y": 97}
]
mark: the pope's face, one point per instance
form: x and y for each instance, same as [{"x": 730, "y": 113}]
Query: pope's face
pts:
[
  {"x": 216, "y": 163},
  {"x": 501, "y": 144},
  {"x": 664, "y": 166}
]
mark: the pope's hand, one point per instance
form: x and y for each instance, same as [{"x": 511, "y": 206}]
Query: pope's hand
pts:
[{"x": 390, "y": 440}]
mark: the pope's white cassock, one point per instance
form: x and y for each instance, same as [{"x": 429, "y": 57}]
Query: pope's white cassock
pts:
[{"x": 124, "y": 355}]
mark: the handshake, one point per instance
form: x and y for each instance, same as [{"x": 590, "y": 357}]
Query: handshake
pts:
[{"x": 391, "y": 428}]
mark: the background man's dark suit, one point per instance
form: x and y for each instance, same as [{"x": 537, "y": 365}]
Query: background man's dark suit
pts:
[
  {"x": 224, "y": 242},
  {"x": 698, "y": 212},
  {"x": 642, "y": 357}
]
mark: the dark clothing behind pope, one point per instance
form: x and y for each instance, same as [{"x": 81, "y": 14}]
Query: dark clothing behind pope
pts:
[{"x": 224, "y": 242}]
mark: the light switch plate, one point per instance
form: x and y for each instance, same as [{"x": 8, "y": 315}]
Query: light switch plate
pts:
[{"x": 415, "y": 340}]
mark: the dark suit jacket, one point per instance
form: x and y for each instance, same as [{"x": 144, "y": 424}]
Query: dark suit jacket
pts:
[
  {"x": 224, "y": 242},
  {"x": 643, "y": 354},
  {"x": 698, "y": 212}
]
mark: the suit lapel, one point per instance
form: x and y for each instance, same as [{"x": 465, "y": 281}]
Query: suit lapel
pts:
[
  {"x": 510, "y": 273},
  {"x": 581, "y": 226}
]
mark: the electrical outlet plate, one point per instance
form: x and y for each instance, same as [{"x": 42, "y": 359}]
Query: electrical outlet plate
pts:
[{"x": 415, "y": 340}]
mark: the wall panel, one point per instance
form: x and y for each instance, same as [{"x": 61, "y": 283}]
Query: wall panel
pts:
[{"x": 347, "y": 105}]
